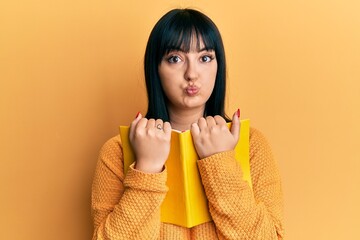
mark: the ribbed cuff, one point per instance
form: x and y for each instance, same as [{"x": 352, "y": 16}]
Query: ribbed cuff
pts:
[
  {"x": 152, "y": 182},
  {"x": 223, "y": 161},
  {"x": 220, "y": 172}
]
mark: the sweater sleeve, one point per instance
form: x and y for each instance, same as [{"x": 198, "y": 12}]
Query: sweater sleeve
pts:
[
  {"x": 238, "y": 211},
  {"x": 125, "y": 207}
]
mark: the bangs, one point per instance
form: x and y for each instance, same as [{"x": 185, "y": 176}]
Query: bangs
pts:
[{"x": 185, "y": 30}]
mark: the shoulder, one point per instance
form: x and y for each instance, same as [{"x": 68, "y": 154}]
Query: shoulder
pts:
[
  {"x": 259, "y": 145},
  {"x": 111, "y": 146},
  {"x": 111, "y": 154},
  {"x": 256, "y": 136}
]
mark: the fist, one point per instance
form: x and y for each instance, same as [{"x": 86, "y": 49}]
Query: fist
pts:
[
  {"x": 211, "y": 135},
  {"x": 150, "y": 140}
]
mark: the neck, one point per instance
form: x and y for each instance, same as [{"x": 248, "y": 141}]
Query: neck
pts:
[{"x": 181, "y": 119}]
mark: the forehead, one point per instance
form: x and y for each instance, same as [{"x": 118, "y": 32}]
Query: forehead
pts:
[
  {"x": 185, "y": 40},
  {"x": 193, "y": 44},
  {"x": 196, "y": 43}
]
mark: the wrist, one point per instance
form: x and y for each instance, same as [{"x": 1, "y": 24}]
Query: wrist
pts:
[{"x": 148, "y": 168}]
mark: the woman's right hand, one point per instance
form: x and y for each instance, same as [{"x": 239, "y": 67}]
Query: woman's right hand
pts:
[{"x": 151, "y": 145}]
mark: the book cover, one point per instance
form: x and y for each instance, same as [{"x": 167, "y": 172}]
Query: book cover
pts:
[{"x": 185, "y": 203}]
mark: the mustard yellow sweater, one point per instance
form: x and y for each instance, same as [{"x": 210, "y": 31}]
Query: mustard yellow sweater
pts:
[{"x": 128, "y": 206}]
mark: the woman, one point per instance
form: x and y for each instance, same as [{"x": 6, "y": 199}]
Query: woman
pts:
[{"x": 185, "y": 77}]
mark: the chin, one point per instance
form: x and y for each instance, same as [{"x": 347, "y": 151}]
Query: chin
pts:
[{"x": 194, "y": 106}]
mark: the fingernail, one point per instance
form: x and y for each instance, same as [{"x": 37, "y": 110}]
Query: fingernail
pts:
[
  {"x": 238, "y": 112},
  {"x": 137, "y": 115}
]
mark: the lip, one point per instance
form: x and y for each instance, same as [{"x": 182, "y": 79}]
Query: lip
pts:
[{"x": 192, "y": 90}]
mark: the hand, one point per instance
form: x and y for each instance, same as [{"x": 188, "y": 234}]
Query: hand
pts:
[
  {"x": 150, "y": 140},
  {"x": 211, "y": 135}
]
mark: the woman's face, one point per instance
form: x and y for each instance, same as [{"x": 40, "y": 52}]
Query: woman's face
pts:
[{"x": 188, "y": 78}]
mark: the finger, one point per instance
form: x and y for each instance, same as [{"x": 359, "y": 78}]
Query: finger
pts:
[
  {"x": 167, "y": 128},
  {"x": 235, "y": 125},
  {"x": 219, "y": 120},
  {"x": 159, "y": 124},
  {"x": 150, "y": 123},
  {"x": 195, "y": 130},
  {"x": 141, "y": 124},
  {"x": 202, "y": 124},
  {"x": 210, "y": 121}
]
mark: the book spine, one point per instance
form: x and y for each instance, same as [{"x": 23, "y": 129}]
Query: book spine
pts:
[{"x": 185, "y": 170}]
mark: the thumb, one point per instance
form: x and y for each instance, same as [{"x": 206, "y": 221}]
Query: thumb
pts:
[
  {"x": 134, "y": 123},
  {"x": 235, "y": 125}
]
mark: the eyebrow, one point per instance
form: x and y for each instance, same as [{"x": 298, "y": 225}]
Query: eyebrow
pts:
[
  {"x": 205, "y": 49},
  {"x": 182, "y": 50}
]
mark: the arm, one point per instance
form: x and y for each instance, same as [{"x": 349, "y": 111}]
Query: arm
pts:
[
  {"x": 239, "y": 212},
  {"x": 125, "y": 207}
]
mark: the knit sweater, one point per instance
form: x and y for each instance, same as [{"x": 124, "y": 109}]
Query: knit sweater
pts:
[{"x": 128, "y": 206}]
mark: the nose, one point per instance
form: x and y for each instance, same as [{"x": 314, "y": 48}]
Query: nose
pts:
[{"x": 191, "y": 71}]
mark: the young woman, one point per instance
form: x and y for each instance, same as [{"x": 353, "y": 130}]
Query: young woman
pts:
[{"x": 185, "y": 74}]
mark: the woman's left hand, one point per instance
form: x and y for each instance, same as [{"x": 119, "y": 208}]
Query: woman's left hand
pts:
[{"x": 211, "y": 135}]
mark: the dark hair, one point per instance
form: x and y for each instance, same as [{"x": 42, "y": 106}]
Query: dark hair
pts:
[{"x": 175, "y": 30}]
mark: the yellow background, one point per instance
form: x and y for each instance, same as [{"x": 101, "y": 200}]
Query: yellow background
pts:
[{"x": 71, "y": 73}]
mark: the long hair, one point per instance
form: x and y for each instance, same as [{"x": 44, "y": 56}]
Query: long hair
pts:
[{"x": 175, "y": 30}]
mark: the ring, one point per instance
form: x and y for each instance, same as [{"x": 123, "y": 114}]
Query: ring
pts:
[{"x": 159, "y": 126}]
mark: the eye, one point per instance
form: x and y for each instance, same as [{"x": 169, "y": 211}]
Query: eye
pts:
[
  {"x": 174, "y": 59},
  {"x": 207, "y": 58}
]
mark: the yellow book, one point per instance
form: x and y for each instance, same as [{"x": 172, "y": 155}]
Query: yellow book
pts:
[{"x": 185, "y": 203}]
